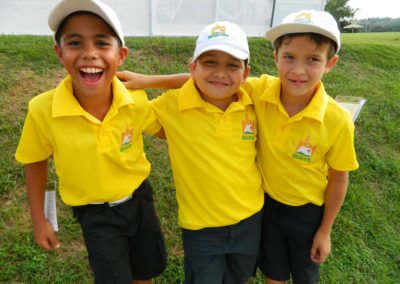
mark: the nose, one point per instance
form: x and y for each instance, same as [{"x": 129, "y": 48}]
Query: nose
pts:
[
  {"x": 90, "y": 51},
  {"x": 220, "y": 72},
  {"x": 298, "y": 69}
]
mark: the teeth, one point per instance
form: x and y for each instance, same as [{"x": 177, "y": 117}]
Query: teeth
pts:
[{"x": 91, "y": 70}]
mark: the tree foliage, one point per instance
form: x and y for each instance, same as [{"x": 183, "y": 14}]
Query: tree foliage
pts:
[
  {"x": 341, "y": 11},
  {"x": 380, "y": 24}
]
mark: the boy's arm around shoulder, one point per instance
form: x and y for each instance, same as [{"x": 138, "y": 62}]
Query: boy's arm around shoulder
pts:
[
  {"x": 335, "y": 194},
  {"x": 36, "y": 180},
  {"x": 133, "y": 80}
]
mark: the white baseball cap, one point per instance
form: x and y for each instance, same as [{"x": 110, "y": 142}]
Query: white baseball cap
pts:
[
  {"x": 307, "y": 21},
  {"x": 223, "y": 36},
  {"x": 67, "y": 7}
]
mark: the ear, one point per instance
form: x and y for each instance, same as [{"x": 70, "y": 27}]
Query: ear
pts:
[
  {"x": 58, "y": 52},
  {"x": 192, "y": 67},
  {"x": 122, "y": 54},
  {"x": 332, "y": 62},
  {"x": 245, "y": 73},
  {"x": 276, "y": 57}
]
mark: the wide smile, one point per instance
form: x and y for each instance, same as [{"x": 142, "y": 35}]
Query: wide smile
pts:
[
  {"x": 297, "y": 81},
  {"x": 91, "y": 75},
  {"x": 218, "y": 84}
]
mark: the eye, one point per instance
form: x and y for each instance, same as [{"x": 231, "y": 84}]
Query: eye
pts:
[
  {"x": 209, "y": 62},
  {"x": 102, "y": 43},
  {"x": 287, "y": 57},
  {"x": 314, "y": 59},
  {"x": 74, "y": 43},
  {"x": 233, "y": 66}
]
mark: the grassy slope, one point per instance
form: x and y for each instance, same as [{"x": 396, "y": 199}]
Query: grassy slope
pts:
[{"x": 366, "y": 237}]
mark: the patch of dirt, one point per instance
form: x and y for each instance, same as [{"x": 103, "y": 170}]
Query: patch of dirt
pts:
[{"x": 30, "y": 84}]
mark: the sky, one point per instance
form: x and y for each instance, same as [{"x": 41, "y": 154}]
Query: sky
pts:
[{"x": 375, "y": 8}]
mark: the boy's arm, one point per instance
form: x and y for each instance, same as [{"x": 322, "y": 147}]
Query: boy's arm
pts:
[
  {"x": 133, "y": 80},
  {"x": 36, "y": 180},
  {"x": 334, "y": 197}
]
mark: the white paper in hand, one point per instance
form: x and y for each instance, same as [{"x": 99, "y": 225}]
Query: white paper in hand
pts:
[{"x": 50, "y": 208}]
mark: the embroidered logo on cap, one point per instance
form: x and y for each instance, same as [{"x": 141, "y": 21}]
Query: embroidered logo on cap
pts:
[
  {"x": 217, "y": 31},
  {"x": 303, "y": 18}
]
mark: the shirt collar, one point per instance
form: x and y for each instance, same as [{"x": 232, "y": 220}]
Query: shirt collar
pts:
[
  {"x": 315, "y": 109},
  {"x": 65, "y": 104},
  {"x": 189, "y": 97}
]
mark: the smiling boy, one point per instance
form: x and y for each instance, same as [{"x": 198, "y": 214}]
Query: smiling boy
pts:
[
  {"x": 91, "y": 126},
  {"x": 306, "y": 148},
  {"x": 210, "y": 126}
]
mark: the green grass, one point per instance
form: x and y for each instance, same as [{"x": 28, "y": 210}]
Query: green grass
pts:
[{"x": 366, "y": 236}]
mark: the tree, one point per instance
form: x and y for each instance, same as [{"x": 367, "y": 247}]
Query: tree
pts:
[{"x": 341, "y": 11}]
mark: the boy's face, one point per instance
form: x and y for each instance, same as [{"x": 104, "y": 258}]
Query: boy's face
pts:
[
  {"x": 90, "y": 53},
  {"x": 218, "y": 76},
  {"x": 301, "y": 64}
]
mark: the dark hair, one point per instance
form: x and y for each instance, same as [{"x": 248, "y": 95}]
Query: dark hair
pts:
[
  {"x": 317, "y": 38},
  {"x": 61, "y": 26}
]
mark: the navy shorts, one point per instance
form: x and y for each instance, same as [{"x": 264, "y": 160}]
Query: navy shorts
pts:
[
  {"x": 124, "y": 242},
  {"x": 286, "y": 241},
  {"x": 222, "y": 254}
]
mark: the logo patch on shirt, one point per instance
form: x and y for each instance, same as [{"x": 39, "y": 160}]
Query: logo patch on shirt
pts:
[
  {"x": 247, "y": 128},
  {"x": 304, "y": 150},
  {"x": 218, "y": 31},
  {"x": 126, "y": 139}
]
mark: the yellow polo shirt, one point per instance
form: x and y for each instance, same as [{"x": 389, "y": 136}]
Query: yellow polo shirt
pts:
[
  {"x": 96, "y": 161},
  {"x": 213, "y": 157},
  {"x": 295, "y": 152}
]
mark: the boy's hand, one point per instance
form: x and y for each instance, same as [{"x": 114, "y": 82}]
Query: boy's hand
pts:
[
  {"x": 321, "y": 247},
  {"x": 132, "y": 80},
  {"x": 46, "y": 237}
]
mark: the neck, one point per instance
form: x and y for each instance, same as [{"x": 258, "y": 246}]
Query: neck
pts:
[
  {"x": 294, "y": 104},
  {"x": 97, "y": 105},
  {"x": 222, "y": 104}
]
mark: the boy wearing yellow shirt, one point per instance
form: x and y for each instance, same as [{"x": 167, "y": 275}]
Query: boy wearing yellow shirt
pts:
[
  {"x": 91, "y": 126},
  {"x": 211, "y": 129},
  {"x": 306, "y": 148}
]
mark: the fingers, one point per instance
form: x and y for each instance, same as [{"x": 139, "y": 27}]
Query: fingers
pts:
[
  {"x": 54, "y": 243},
  {"x": 45, "y": 237},
  {"x": 121, "y": 75},
  {"x": 318, "y": 256},
  {"x": 315, "y": 255},
  {"x": 50, "y": 244}
]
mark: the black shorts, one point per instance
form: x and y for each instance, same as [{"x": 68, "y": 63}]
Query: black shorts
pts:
[
  {"x": 223, "y": 254},
  {"x": 124, "y": 242},
  {"x": 286, "y": 241}
]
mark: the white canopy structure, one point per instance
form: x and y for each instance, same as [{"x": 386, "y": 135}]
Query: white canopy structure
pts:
[{"x": 161, "y": 17}]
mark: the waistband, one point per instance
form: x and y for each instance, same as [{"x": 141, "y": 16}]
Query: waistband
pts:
[
  {"x": 276, "y": 204},
  {"x": 115, "y": 202},
  {"x": 123, "y": 199}
]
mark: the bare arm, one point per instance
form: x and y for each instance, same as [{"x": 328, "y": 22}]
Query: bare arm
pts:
[
  {"x": 334, "y": 196},
  {"x": 133, "y": 80},
  {"x": 36, "y": 180}
]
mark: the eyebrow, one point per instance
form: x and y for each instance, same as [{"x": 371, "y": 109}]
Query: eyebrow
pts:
[
  {"x": 74, "y": 35},
  {"x": 213, "y": 55}
]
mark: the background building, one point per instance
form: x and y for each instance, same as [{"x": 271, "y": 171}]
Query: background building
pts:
[{"x": 161, "y": 17}]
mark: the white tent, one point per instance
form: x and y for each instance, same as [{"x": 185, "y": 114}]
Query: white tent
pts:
[{"x": 161, "y": 17}]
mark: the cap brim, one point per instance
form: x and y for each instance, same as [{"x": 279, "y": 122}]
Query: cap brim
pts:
[
  {"x": 65, "y": 8},
  {"x": 293, "y": 28},
  {"x": 234, "y": 52}
]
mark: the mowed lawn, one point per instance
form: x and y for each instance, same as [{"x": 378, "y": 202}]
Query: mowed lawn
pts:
[{"x": 366, "y": 236}]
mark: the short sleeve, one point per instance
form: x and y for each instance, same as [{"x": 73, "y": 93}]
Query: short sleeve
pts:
[
  {"x": 342, "y": 155},
  {"x": 33, "y": 145}
]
